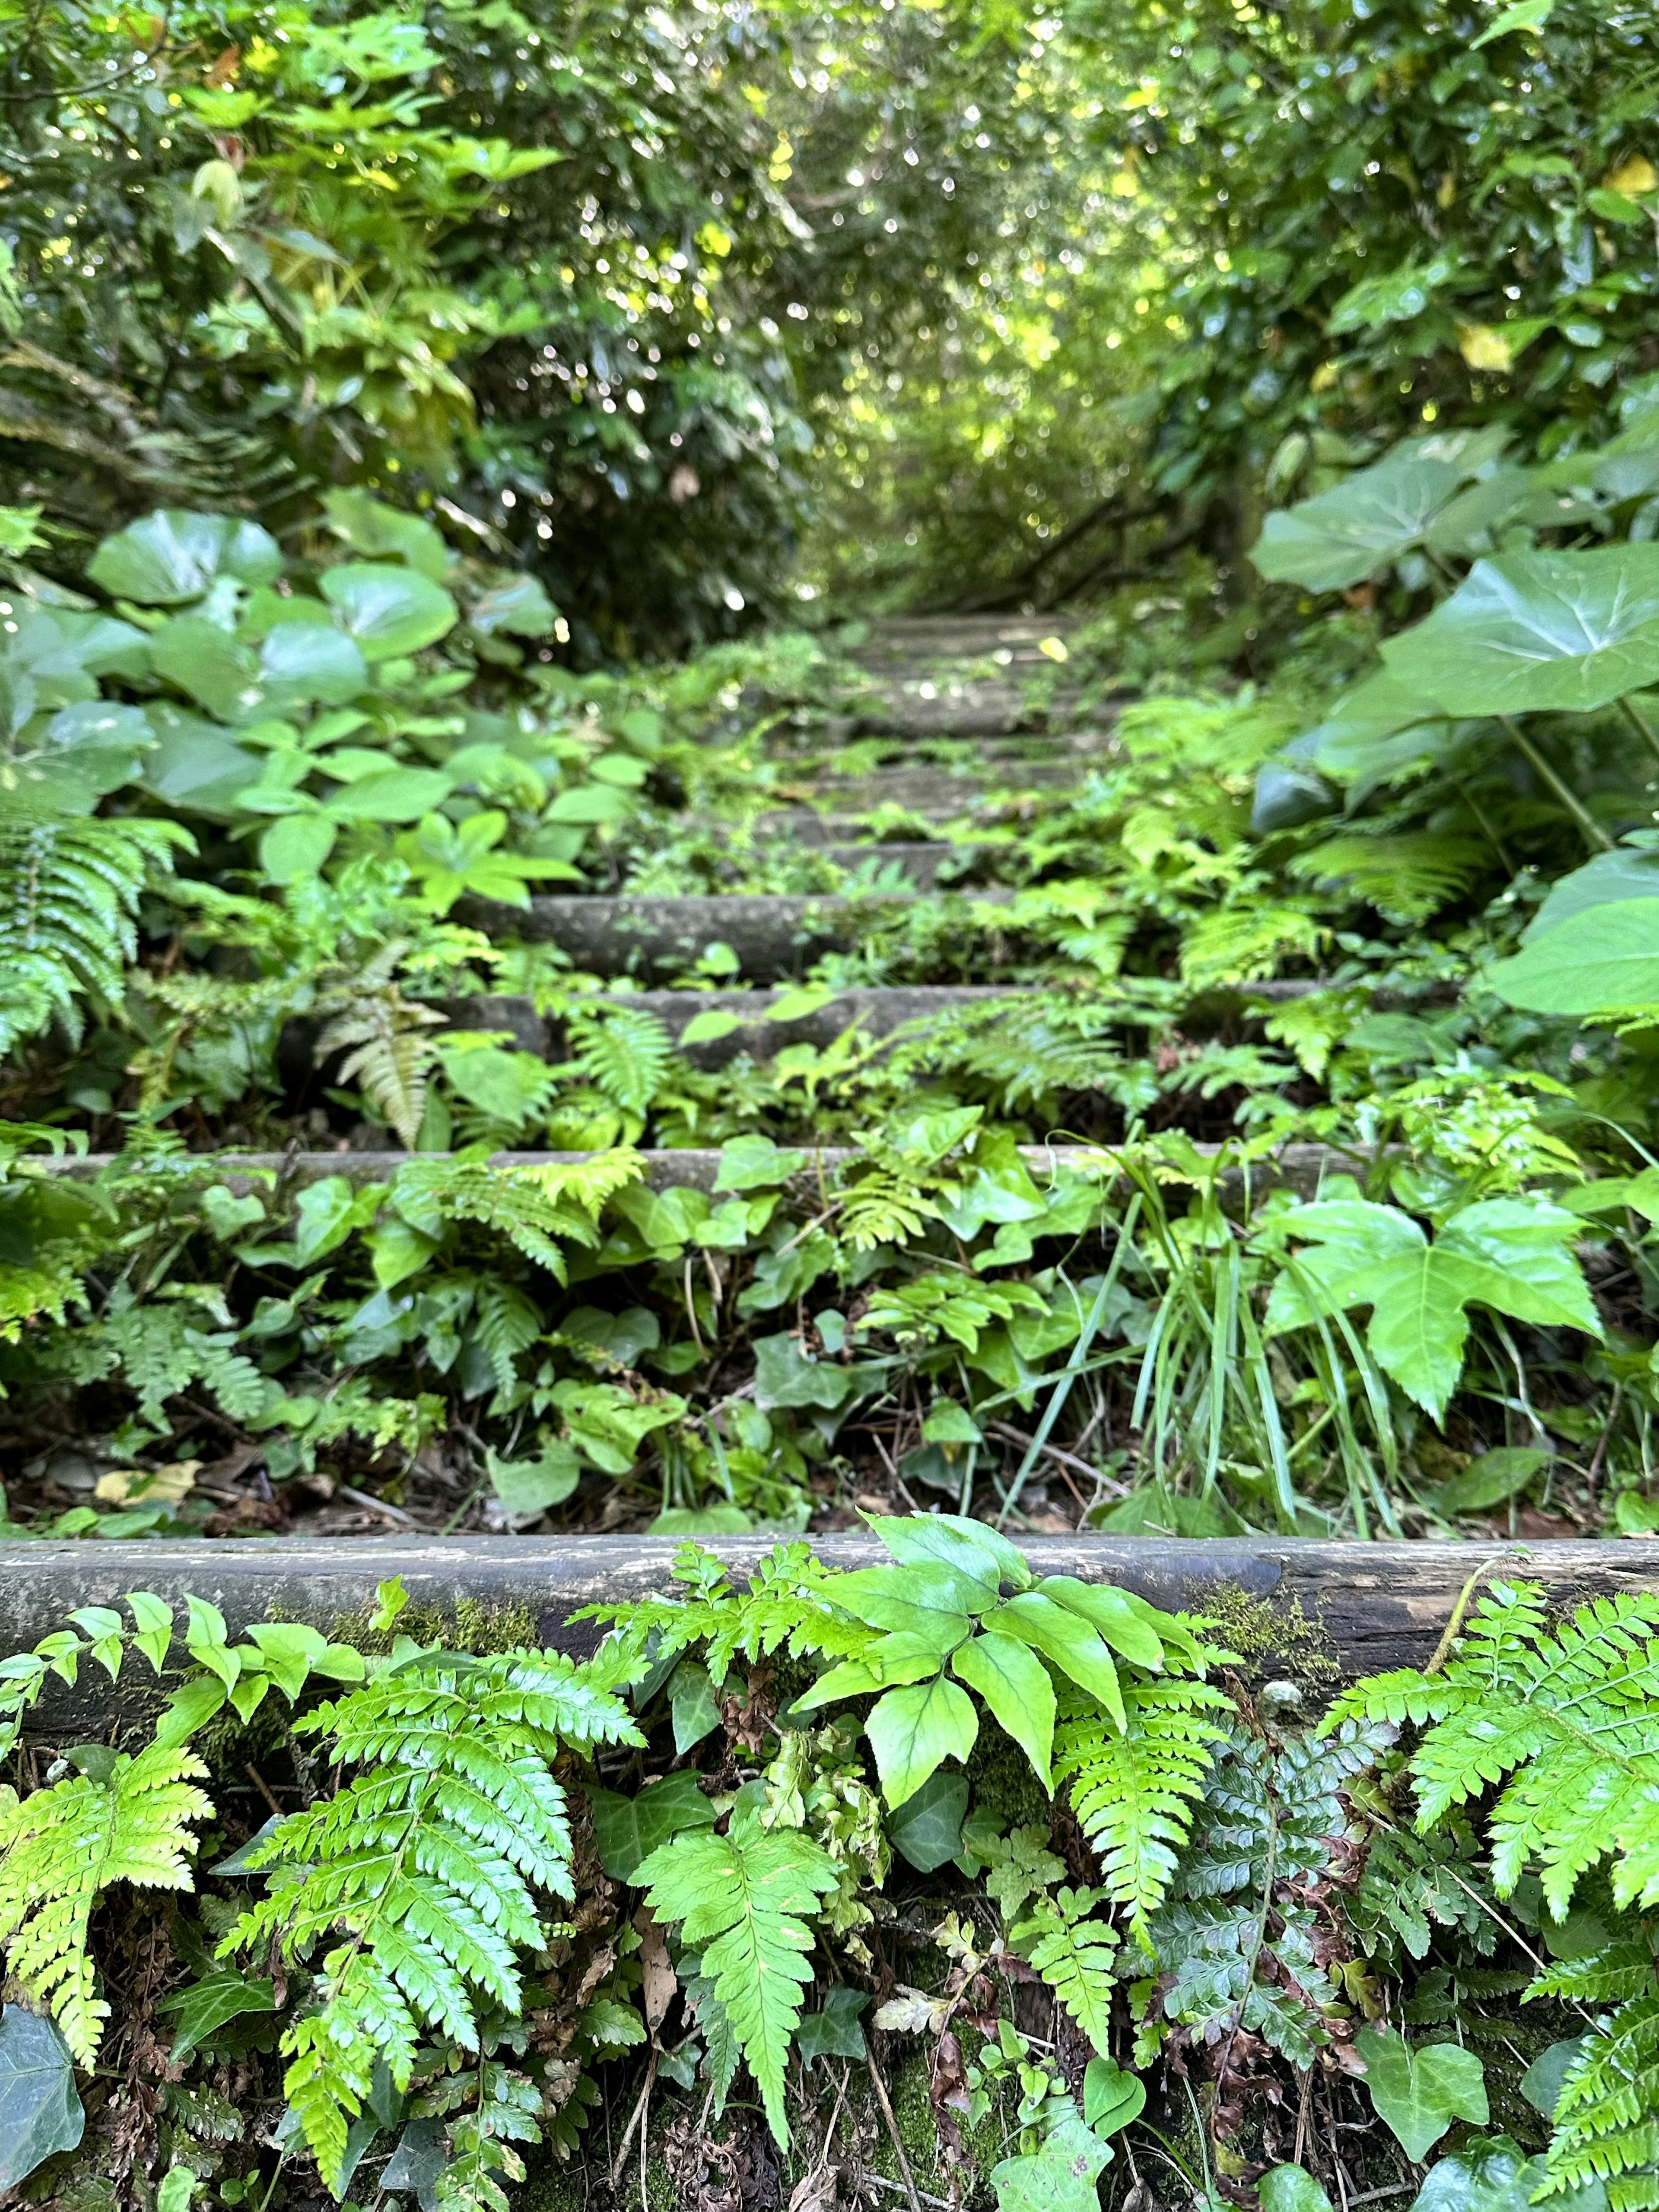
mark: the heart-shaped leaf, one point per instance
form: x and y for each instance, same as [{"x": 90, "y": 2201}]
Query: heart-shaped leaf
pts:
[
  {"x": 1419, "y": 2092},
  {"x": 1343, "y": 536},
  {"x": 388, "y": 611},
  {"x": 1538, "y": 633},
  {"x": 172, "y": 557}
]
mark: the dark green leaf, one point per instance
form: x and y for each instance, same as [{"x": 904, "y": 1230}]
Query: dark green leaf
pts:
[
  {"x": 835, "y": 2031},
  {"x": 39, "y": 2110},
  {"x": 629, "y": 1829},
  {"x": 926, "y": 1829}
]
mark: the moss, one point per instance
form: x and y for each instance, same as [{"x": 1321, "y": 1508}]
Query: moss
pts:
[
  {"x": 551, "y": 2186},
  {"x": 477, "y": 1624},
  {"x": 1263, "y": 1629},
  {"x": 1000, "y": 1775}
]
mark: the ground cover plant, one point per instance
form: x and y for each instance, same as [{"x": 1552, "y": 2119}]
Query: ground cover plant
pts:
[{"x": 1030, "y": 1885}]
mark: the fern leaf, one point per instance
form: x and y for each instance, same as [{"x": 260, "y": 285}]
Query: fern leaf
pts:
[
  {"x": 425, "y": 1860},
  {"x": 536, "y": 1208},
  {"x": 68, "y": 902},
  {"x": 624, "y": 1052},
  {"x": 1076, "y": 1957},
  {"x": 62, "y": 1847},
  {"x": 1605, "y": 2128},
  {"x": 743, "y": 1899},
  {"x": 1408, "y": 877},
  {"x": 1133, "y": 1792}
]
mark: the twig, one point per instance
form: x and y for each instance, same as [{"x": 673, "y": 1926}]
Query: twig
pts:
[
  {"x": 1394, "y": 2188},
  {"x": 395, "y": 1514},
  {"x": 641, "y": 2104},
  {"x": 259, "y": 1784},
  {"x": 916, "y": 2196},
  {"x": 880, "y": 2088}
]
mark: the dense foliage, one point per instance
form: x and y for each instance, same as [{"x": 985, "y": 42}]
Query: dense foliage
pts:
[{"x": 433, "y": 1961}]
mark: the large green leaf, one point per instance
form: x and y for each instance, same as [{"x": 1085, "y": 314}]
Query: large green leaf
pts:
[
  {"x": 1419, "y": 2092},
  {"x": 304, "y": 661},
  {"x": 1015, "y": 1685},
  {"x": 39, "y": 2110},
  {"x": 1343, "y": 536},
  {"x": 926, "y": 1829},
  {"x": 208, "y": 663},
  {"x": 911, "y": 1730},
  {"x": 388, "y": 611},
  {"x": 1600, "y": 956},
  {"x": 1513, "y": 1255},
  {"x": 1058, "y": 2176},
  {"x": 394, "y": 794},
  {"x": 172, "y": 557},
  {"x": 1631, "y": 873},
  {"x": 74, "y": 756},
  {"x": 196, "y": 765},
  {"x": 368, "y": 527},
  {"x": 297, "y": 845},
  {"x": 1536, "y": 632}
]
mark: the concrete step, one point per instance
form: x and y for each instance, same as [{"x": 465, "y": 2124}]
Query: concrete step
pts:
[
  {"x": 771, "y": 935},
  {"x": 880, "y": 1011},
  {"x": 926, "y": 639},
  {"x": 1377, "y": 1605},
  {"x": 1300, "y": 1168},
  {"x": 943, "y": 794}
]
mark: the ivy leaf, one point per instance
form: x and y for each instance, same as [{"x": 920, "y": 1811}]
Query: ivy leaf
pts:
[
  {"x": 1291, "y": 2188},
  {"x": 835, "y": 2032},
  {"x": 1539, "y": 632},
  {"x": 39, "y": 2110},
  {"x": 1419, "y": 2092},
  {"x": 221, "y": 1995},
  {"x": 911, "y": 1730},
  {"x": 629, "y": 1829},
  {"x": 926, "y": 1829}
]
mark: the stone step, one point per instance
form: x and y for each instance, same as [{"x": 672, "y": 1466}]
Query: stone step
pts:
[
  {"x": 926, "y": 640},
  {"x": 878, "y": 1009},
  {"x": 1300, "y": 1168},
  {"x": 771, "y": 935},
  {"x": 943, "y": 794},
  {"x": 1377, "y": 1605}
]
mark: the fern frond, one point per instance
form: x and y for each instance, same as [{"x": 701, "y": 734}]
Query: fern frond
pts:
[
  {"x": 623, "y": 1052},
  {"x": 1133, "y": 1792},
  {"x": 1408, "y": 877},
  {"x": 388, "y": 1051},
  {"x": 1569, "y": 1721},
  {"x": 786, "y": 1603},
  {"x": 536, "y": 1208},
  {"x": 62, "y": 1847},
  {"x": 1605, "y": 2125},
  {"x": 1076, "y": 1957},
  {"x": 744, "y": 1899},
  {"x": 425, "y": 1860},
  {"x": 505, "y": 1322},
  {"x": 68, "y": 903}
]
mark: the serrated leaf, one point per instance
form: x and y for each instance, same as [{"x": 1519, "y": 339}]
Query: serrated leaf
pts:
[
  {"x": 911, "y": 1730},
  {"x": 1015, "y": 1686}
]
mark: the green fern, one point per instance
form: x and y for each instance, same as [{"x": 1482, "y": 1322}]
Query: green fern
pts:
[
  {"x": 1237, "y": 1943},
  {"x": 424, "y": 1864},
  {"x": 1571, "y": 1719},
  {"x": 1567, "y": 1722},
  {"x": 1076, "y": 1957},
  {"x": 1133, "y": 1790},
  {"x": 744, "y": 1899},
  {"x": 386, "y": 1038},
  {"x": 535, "y": 1208},
  {"x": 120, "y": 1819},
  {"x": 1406, "y": 877},
  {"x": 624, "y": 1053},
  {"x": 68, "y": 902},
  {"x": 786, "y": 1604}
]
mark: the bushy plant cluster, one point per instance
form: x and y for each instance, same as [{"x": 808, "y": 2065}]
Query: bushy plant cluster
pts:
[{"x": 941, "y": 1818}]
